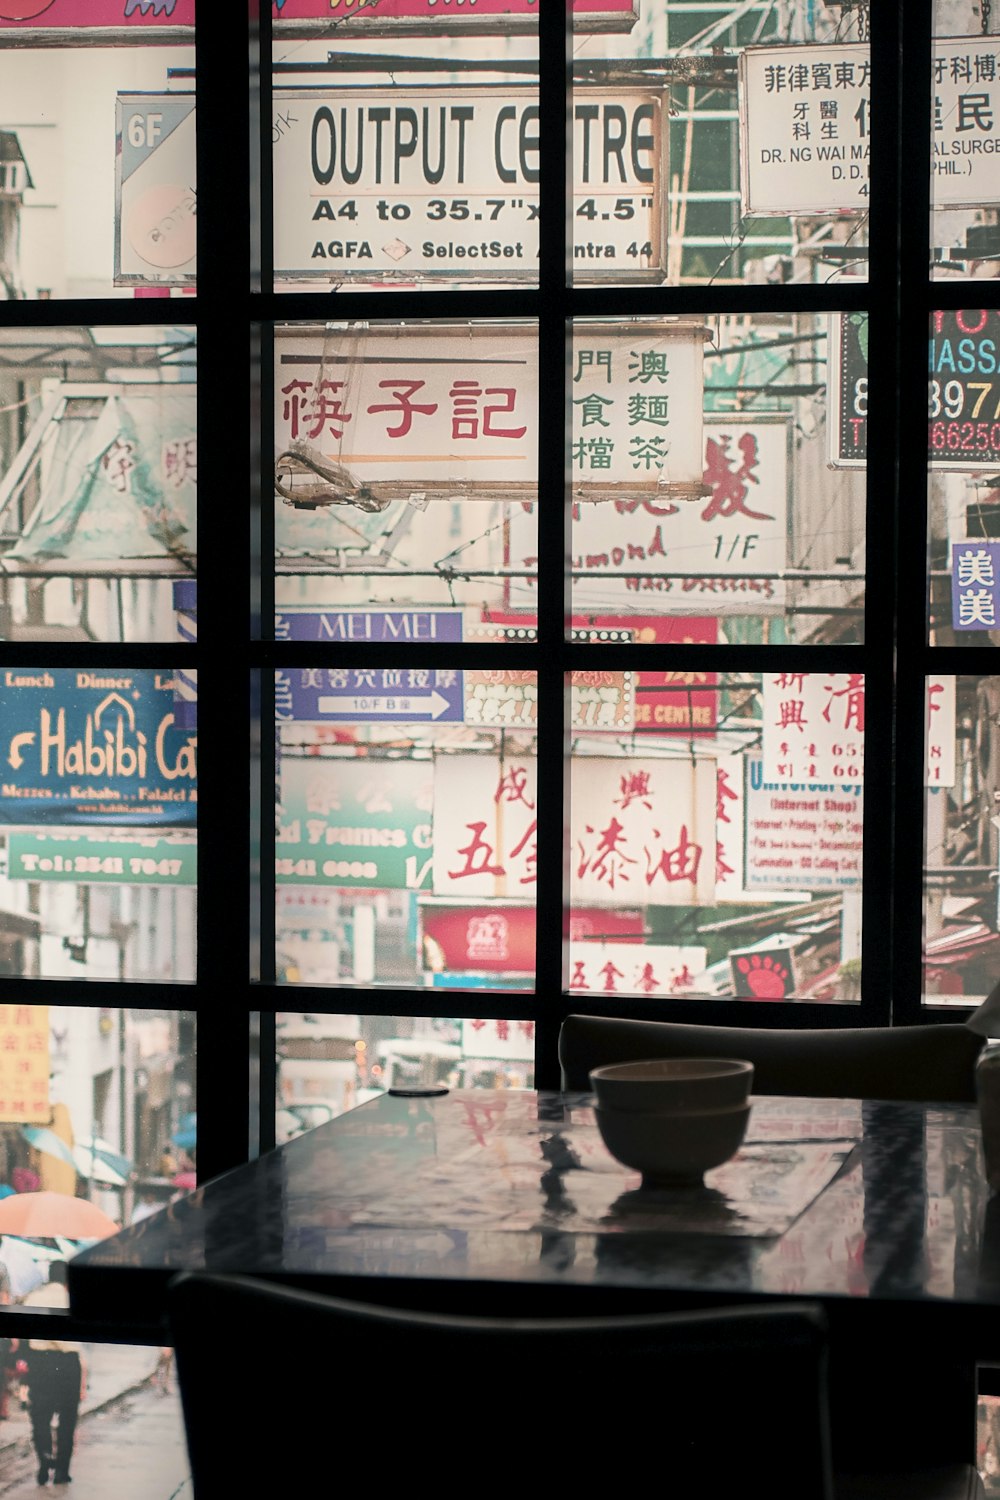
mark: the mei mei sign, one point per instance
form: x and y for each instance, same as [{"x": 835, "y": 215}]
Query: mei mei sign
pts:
[
  {"x": 322, "y": 18},
  {"x": 145, "y": 18},
  {"x": 97, "y": 747}
]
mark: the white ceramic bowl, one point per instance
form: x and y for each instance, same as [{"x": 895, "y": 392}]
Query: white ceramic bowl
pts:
[
  {"x": 673, "y": 1148},
  {"x": 673, "y": 1083}
]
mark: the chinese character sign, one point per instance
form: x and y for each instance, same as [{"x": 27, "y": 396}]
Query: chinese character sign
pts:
[
  {"x": 24, "y": 1065},
  {"x": 643, "y": 831},
  {"x": 485, "y": 826},
  {"x": 512, "y": 1040},
  {"x": 406, "y": 413},
  {"x": 965, "y": 89},
  {"x": 805, "y": 116},
  {"x": 975, "y": 578},
  {"x": 939, "y": 731},
  {"x": 814, "y": 727},
  {"x": 657, "y": 970},
  {"x": 637, "y": 409},
  {"x": 357, "y": 823}
]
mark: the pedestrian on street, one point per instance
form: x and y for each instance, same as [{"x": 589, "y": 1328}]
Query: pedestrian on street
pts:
[{"x": 56, "y": 1384}]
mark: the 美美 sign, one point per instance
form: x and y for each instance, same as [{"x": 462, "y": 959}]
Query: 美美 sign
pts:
[
  {"x": 804, "y": 128},
  {"x": 643, "y": 831},
  {"x": 360, "y": 695},
  {"x": 81, "y": 23},
  {"x": 96, "y": 747},
  {"x": 847, "y": 389},
  {"x": 156, "y": 201},
  {"x": 963, "y": 389},
  {"x": 86, "y": 859},
  {"x": 384, "y": 414},
  {"x": 444, "y": 182},
  {"x": 975, "y": 584},
  {"x": 323, "y": 20},
  {"x": 814, "y": 727},
  {"x": 354, "y": 823},
  {"x": 965, "y": 140}
]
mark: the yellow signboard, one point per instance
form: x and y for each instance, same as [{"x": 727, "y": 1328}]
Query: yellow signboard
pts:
[{"x": 24, "y": 1064}]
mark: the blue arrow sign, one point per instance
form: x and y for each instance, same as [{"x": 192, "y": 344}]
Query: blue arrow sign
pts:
[{"x": 357, "y": 696}]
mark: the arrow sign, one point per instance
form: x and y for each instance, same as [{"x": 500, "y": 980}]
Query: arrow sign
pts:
[
  {"x": 426, "y": 706},
  {"x": 307, "y": 695}
]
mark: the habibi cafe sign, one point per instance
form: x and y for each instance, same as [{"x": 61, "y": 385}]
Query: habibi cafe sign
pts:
[{"x": 95, "y": 748}]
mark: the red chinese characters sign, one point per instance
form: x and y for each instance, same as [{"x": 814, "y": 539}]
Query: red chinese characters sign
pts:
[
  {"x": 643, "y": 831},
  {"x": 24, "y": 1064},
  {"x": 121, "y": 16},
  {"x": 814, "y": 727},
  {"x": 485, "y": 826},
  {"x": 657, "y": 970},
  {"x": 321, "y": 18}
]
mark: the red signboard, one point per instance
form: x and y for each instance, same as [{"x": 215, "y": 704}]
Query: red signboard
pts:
[
  {"x": 322, "y": 18},
  {"x": 666, "y": 702},
  {"x": 501, "y": 939},
  {"x": 112, "y": 15}
]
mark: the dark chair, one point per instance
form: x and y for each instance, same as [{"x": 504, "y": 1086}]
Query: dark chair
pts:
[
  {"x": 326, "y": 1394},
  {"x": 930, "y": 1063}
]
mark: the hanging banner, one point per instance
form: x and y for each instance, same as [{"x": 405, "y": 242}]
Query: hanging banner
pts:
[
  {"x": 814, "y": 727},
  {"x": 156, "y": 201},
  {"x": 963, "y": 390},
  {"x": 939, "y": 755},
  {"x": 354, "y": 823},
  {"x": 326, "y": 20},
  {"x": 653, "y": 969},
  {"x": 804, "y": 129},
  {"x": 805, "y": 838},
  {"x": 643, "y": 830},
  {"x": 94, "y": 748},
  {"x": 95, "y": 23},
  {"x": 965, "y": 86},
  {"x": 105, "y": 860},
  {"x": 485, "y": 823},
  {"x": 24, "y": 1065},
  {"x": 421, "y": 182},
  {"x": 847, "y": 389}
]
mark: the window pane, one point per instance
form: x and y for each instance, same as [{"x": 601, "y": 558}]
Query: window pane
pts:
[
  {"x": 404, "y": 459},
  {"x": 401, "y": 171},
  {"x": 329, "y": 1063},
  {"x": 716, "y": 495},
  {"x": 963, "y": 460},
  {"x": 98, "y": 484},
  {"x": 98, "y": 815},
  {"x": 129, "y": 1436},
  {"x": 720, "y": 848},
  {"x": 734, "y": 149},
  {"x": 394, "y": 831},
  {"x": 97, "y": 152},
  {"x": 962, "y": 777}
]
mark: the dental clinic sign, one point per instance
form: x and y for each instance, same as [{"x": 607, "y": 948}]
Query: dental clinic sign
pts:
[{"x": 81, "y": 748}]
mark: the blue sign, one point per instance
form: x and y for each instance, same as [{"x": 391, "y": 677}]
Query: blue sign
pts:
[
  {"x": 99, "y": 748},
  {"x": 358, "y": 695},
  {"x": 368, "y": 625},
  {"x": 975, "y": 579}
]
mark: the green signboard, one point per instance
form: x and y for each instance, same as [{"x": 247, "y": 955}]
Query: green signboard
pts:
[
  {"x": 87, "y": 860},
  {"x": 355, "y": 823}
]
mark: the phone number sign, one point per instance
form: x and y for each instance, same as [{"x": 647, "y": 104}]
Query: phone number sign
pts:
[
  {"x": 432, "y": 182},
  {"x": 963, "y": 389}
]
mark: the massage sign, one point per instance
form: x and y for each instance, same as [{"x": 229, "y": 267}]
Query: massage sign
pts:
[{"x": 418, "y": 182}]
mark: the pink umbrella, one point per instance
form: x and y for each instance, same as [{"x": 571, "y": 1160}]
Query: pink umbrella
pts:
[
  {"x": 185, "y": 1180},
  {"x": 44, "y": 1215}
]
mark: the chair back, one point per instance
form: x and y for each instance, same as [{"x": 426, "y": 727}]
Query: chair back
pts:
[
  {"x": 930, "y": 1063},
  {"x": 318, "y": 1391}
]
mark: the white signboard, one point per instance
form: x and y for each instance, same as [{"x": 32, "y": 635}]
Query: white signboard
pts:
[
  {"x": 485, "y": 823},
  {"x": 407, "y": 183},
  {"x": 513, "y": 1041},
  {"x": 806, "y": 838},
  {"x": 655, "y": 969},
  {"x": 814, "y": 727},
  {"x": 643, "y": 831},
  {"x": 156, "y": 200},
  {"x": 804, "y": 128},
  {"x": 434, "y": 412},
  {"x": 939, "y": 759},
  {"x": 730, "y": 814},
  {"x": 965, "y": 85}
]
